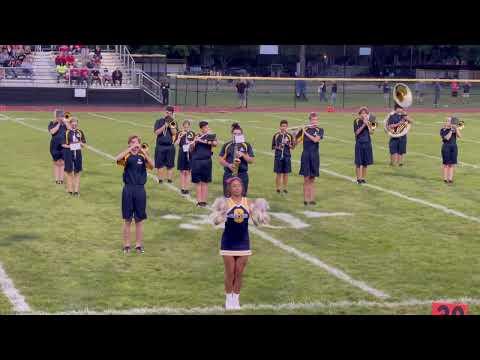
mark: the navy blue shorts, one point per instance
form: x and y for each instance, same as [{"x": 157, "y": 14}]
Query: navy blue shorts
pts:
[
  {"x": 310, "y": 164},
  {"x": 201, "y": 170},
  {"x": 449, "y": 154},
  {"x": 134, "y": 202},
  {"x": 56, "y": 151},
  {"x": 73, "y": 162},
  {"x": 164, "y": 156},
  {"x": 363, "y": 153},
  {"x": 398, "y": 145},
  {"x": 243, "y": 176},
  {"x": 183, "y": 160},
  {"x": 282, "y": 166}
]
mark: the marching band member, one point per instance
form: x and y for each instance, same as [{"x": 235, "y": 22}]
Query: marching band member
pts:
[
  {"x": 235, "y": 212},
  {"x": 449, "y": 134},
  {"x": 282, "y": 143},
  {"x": 398, "y": 145},
  {"x": 235, "y": 156},
  {"x": 310, "y": 160},
  {"x": 184, "y": 138},
  {"x": 135, "y": 161},
  {"x": 363, "y": 144},
  {"x": 57, "y": 129},
  {"x": 201, "y": 163},
  {"x": 73, "y": 143},
  {"x": 165, "y": 149}
]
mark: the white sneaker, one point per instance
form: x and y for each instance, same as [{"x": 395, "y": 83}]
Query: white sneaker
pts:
[
  {"x": 228, "y": 302},
  {"x": 236, "y": 302}
]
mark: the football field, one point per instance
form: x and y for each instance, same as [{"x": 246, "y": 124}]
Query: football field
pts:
[{"x": 391, "y": 246}]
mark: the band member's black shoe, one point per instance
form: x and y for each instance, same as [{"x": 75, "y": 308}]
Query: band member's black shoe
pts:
[
  {"x": 312, "y": 203},
  {"x": 400, "y": 164},
  {"x": 285, "y": 191},
  {"x": 182, "y": 191},
  {"x": 160, "y": 181},
  {"x": 61, "y": 182},
  {"x": 169, "y": 181},
  {"x": 187, "y": 192},
  {"x": 359, "y": 181},
  {"x": 278, "y": 191},
  {"x": 450, "y": 181},
  {"x": 126, "y": 249},
  {"x": 70, "y": 193},
  {"x": 445, "y": 181},
  {"x": 201, "y": 204},
  {"x": 363, "y": 181},
  {"x": 139, "y": 249},
  {"x": 305, "y": 203},
  {"x": 57, "y": 182},
  {"x": 76, "y": 194}
]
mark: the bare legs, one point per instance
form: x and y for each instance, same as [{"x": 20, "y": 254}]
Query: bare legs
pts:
[
  {"x": 448, "y": 172},
  {"x": 185, "y": 179},
  {"x": 202, "y": 192},
  {"x": 281, "y": 179},
  {"x": 127, "y": 233},
  {"x": 58, "y": 170},
  {"x": 234, "y": 268},
  {"x": 309, "y": 188}
]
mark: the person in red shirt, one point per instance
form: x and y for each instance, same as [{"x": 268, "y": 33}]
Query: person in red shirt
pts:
[
  {"x": 63, "y": 48},
  {"x": 70, "y": 59},
  {"x": 455, "y": 87},
  {"x": 75, "y": 75},
  {"x": 84, "y": 75},
  {"x": 60, "y": 59}
]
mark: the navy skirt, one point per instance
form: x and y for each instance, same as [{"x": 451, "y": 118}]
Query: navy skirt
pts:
[
  {"x": 310, "y": 164},
  {"x": 363, "y": 153},
  {"x": 183, "y": 160},
  {"x": 449, "y": 154},
  {"x": 73, "y": 161}
]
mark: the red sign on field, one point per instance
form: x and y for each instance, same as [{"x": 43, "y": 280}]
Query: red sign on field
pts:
[{"x": 444, "y": 308}]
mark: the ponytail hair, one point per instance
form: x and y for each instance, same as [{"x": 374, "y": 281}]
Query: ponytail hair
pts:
[{"x": 236, "y": 126}]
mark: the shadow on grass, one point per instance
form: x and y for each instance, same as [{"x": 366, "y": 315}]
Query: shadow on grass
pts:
[{"x": 16, "y": 238}]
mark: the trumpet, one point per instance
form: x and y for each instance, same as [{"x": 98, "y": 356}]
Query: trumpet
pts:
[
  {"x": 145, "y": 147},
  {"x": 459, "y": 124},
  {"x": 372, "y": 119},
  {"x": 298, "y": 132},
  {"x": 67, "y": 116}
]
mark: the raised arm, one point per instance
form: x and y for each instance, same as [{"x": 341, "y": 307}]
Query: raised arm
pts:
[{"x": 122, "y": 155}]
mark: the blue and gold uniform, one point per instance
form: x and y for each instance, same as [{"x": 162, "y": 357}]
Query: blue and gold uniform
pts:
[
  {"x": 235, "y": 238},
  {"x": 227, "y": 153},
  {"x": 449, "y": 147},
  {"x": 134, "y": 197},
  {"x": 73, "y": 158},
  {"x": 56, "y": 149},
  {"x": 397, "y": 145},
  {"x": 164, "y": 149},
  {"x": 281, "y": 143},
  {"x": 363, "y": 144},
  {"x": 183, "y": 160},
  {"x": 201, "y": 161},
  {"x": 310, "y": 160}
]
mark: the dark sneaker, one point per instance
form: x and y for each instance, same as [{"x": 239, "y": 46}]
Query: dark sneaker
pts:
[
  {"x": 450, "y": 181},
  {"x": 160, "y": 181},
  {"x": 363, "y": 181},
  {"x": 126, "y": 249},
  {"x": 182, "y": 191},
  {"x": 187, "y": 192},
  {"x": 76, "y": 194},
  {"x": 313, "y": 203},
  {"x": 285, "y": 191},
  {"x": 400, "y": 164},
  {"x": 359, "y": 181},
  {"x": 169, "y": 181},
  {"x": 305, "y": 203},
  {"x": 278, "y": 191},
  {"x": 445, "y": 181},
  {"x": 70, "y": 193},
  {"x": 139, "y": 249}
]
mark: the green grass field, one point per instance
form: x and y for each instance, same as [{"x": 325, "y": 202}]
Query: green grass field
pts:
[{"x": 64, "y": 254}]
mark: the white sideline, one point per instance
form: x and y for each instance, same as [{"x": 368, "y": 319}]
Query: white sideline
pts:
[
  {"x": 317, "y": 262},
  {"x": 11, "y": 292},
  {"x": 273, "y": 307},
  {"x": 121, "y": 121}
]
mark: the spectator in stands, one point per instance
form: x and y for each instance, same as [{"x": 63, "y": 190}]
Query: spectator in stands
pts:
[
  {"x": 4, "y": 58},
  {"x": 84, "y": 75},
  {"x": 386, "y": 92},
  {"x": 98, "y": 52},
  {"x": 96, "y": 77},
  {"x": 90, "y": 64},
  {"x": 106, "y": 77},
  {"x": 63, "y": 48},
  {"x": 27, "y": 67},
  {"x": 10, "y": 72},
  {"x": 97, "y": 60},
  {"x": 333, "y": 96},
  {"x": 69, "y": 59},
  {"x": 60, "y": 59},
  {"x": 75, "y": 75},
  {"x": 455, "y": 87},
  {"x": 419, "y": 93},
  {"x": 117, "y": 77},
  {"x": 61, "y": 72},
  {"x": 28, "y": 50},
  {"x": 77, "y": 49}
]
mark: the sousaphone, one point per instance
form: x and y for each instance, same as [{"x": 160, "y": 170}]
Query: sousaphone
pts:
[{"x": 402, "y": 95}]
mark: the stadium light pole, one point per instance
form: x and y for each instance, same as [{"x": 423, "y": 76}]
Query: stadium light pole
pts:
[{"x": 344, "y": 74}]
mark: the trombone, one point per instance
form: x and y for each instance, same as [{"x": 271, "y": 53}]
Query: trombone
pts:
[{"x": 298, "y": 132}]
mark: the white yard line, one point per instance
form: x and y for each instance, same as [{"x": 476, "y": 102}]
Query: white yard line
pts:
[
  {"x": 294, "y": 222},
  {"x": 121, "y": 121},
  {"x": 305, "y": 256},
  {"x": 12, "y": 293},
  {"x": 268, "y": 307}
]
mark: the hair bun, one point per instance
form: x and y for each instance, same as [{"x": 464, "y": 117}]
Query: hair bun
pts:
[{"x": 235, "y": 126}]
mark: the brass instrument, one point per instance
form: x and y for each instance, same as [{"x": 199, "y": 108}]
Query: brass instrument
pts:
[
  {"x": 145, "y": 147},
  {"x": 459, "y": 124},
  {"x": 402, "y": 95},
  {"x": 172, "y": 124},
  {"x": 67, "y": 116},
  {"x": 372, "y": 119},
  {"x": 298, "y": 132}
]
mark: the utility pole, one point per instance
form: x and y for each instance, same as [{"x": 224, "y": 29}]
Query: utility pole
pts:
[{"x": 302, "y": 60}]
